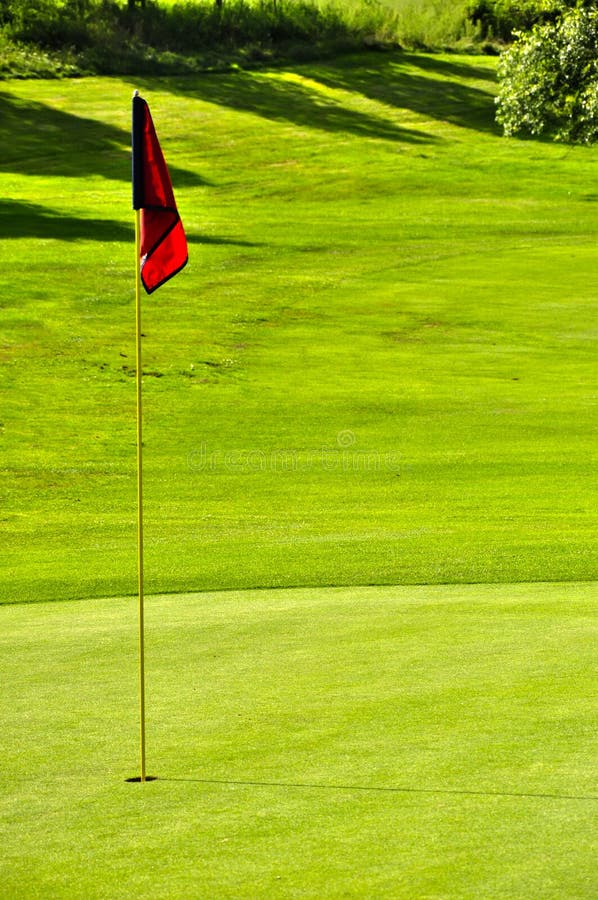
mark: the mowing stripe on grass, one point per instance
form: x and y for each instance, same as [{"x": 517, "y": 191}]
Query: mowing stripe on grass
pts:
[{"x": 370, "y": 261}]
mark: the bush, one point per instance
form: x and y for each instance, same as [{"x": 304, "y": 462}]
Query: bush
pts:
[
  {"x": 549, "y": 80},
  {"x": 106, "y": 36},
  {"x": 502, "y": 19},
  {"x": 182, "y": 27},
  {"x": 23, "y": 61},
  {"x": 117, "y": 37},
  {"x": 432, "y": 24}
]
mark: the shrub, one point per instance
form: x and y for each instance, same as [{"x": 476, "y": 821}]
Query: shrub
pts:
[
  {"x": 502, "y": 19},
  {"x": 106, "y": 31},
  {"x": 431, "y": 24},
  {"x": 549, "y": 80},
  {"x": 23, "y": 61}
]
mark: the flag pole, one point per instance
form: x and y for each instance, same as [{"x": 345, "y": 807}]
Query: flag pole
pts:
[
  {"x": 165, "y": 254},
  {"x": 140, "y": 493}
]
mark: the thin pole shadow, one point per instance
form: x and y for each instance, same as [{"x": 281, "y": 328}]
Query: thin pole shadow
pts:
[{"x": 390, "y": 790}]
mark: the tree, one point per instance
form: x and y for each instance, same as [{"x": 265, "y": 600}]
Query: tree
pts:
[{"x": 549, "y": 80}]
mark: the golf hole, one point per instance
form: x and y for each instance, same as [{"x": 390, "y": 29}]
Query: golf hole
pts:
[{"x": 138, "y": 778}]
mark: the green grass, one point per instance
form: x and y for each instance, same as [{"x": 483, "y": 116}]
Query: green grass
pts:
[
  {"x": 377, "y": 368},
  {"x": 356, "y": 742}
]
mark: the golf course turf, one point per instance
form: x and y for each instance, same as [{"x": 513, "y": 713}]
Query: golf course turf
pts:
[
  {"x": 378, "y": 366},
  {"x": 370, "y": 494},
  {"x": 390, "y": 741}
]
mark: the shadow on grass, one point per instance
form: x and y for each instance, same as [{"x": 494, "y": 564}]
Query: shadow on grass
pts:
[
  {"x": 453, "y": 68},
  {"x": 440, "y": 92},
  {"x": 391, "y": 789},
  {"x": 37, "y": 139},
  {"x": 277, "y": 99},
  {"x": 21, "y": 219},
  {"x": 436, "y": 88}
]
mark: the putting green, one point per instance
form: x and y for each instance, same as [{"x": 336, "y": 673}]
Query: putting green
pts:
[{"x": 433, "y": 741}]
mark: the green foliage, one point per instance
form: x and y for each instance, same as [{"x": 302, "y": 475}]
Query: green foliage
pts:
[
  {"x": 108, "y": 37},
  {"x": 549, "y": 80},
  {"x": 18, "y": 60},
  {"x": 431, "y": 23},
  {"x": 502, "y": 19}
]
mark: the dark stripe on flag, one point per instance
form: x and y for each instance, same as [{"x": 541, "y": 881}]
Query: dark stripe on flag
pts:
[{"x": 163, "y": 242}]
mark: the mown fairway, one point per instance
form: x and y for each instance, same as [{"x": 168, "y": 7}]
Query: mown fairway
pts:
[
  {"x": 346, "y": 742},
  {"x": 379, "y": 366}
]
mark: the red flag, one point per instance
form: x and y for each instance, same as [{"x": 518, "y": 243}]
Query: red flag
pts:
[{"x": 163, "y": 241}]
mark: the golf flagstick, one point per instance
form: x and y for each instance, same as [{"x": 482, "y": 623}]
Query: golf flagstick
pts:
[
  {"x": 160, "y": 252},
  {"x": 138, "y": 374}
]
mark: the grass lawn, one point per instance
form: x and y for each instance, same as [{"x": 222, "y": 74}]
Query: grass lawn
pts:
[
  {"x": 345, "y": 742},
  {"x": 379, "y": 366}
]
